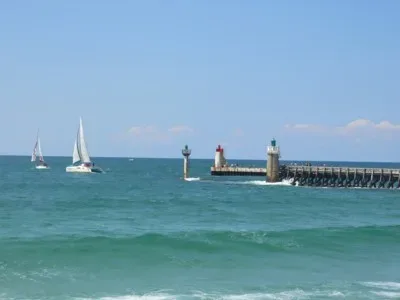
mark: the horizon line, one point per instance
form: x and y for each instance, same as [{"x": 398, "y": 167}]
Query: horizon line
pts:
[{"x": 202, "y": 158}]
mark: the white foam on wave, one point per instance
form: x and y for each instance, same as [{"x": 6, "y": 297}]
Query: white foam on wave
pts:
[
  {"x": 150, "y": 296},
  {"x": 385, "y": 289},
  {"x": 386, "y": 294},
  {"x": 384, "y": 285},
  {"x": 192, "y": 179},
  {"x": 284, "y": 182},
  {"x": 285, "y": 295}
]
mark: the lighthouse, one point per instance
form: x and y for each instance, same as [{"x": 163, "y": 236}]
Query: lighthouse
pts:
[
  {"x": 186, "y": 153},
  {"x": 219, "y": 160},
  {"x": 274, "y": 154}
]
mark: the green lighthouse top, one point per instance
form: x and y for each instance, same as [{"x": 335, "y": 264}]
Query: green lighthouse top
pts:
[
  {"x": 186, "y": 151},
  {"x": 273, "y": 142}
]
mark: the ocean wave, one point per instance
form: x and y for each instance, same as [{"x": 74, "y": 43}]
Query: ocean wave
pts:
[
  {"x": 258, "y": 182},
  {"x": 285, "y": 295},
  {"x": 290, "y": 294},
  {"x": 385, "y": 285},
  {"x": 384, "y": 289},
  {"x": 384, "y": 294},
  {"x": 329, "y": 239},
  {"x": 192, "y": 179}
]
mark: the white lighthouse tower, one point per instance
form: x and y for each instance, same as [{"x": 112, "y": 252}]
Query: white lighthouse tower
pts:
[
  {"x": 186, "y": 153},
  {"x": 219, "y": 160},
  {"x": 274, "y": 154}
]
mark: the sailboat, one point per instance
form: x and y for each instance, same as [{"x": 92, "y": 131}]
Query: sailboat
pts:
[
  {"x": 37, "y": 151},
  {"x": 81, "y": 162}
]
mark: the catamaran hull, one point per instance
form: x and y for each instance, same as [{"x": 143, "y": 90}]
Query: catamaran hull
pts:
[
  {"x": 83, "y": 169},
  {"x": 42, "y": 167}
]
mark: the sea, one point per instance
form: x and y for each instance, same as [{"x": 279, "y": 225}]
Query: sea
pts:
[{"x": 139, "y": 231}]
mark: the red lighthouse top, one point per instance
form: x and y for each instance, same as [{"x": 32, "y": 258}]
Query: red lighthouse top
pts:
[{"x": 219, "y": 149}]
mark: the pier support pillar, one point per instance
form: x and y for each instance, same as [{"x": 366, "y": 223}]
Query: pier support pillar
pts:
[
  {"x": 186, "y": 153},
  {"x": 273, "y": 153}
]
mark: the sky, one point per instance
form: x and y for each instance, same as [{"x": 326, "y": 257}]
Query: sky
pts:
[{"x": 148, "y": 77}]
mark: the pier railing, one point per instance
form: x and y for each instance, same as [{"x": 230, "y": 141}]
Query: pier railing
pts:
[
  {"x": 319, "y": 169},
  {"x": 238, "y": 171},
  {"x": 341, "y": 176}
]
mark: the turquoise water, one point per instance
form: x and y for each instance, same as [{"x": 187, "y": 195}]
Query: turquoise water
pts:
[{"x": 141, "y": 232}]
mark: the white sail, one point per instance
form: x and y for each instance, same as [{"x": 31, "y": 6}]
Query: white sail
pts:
[
  {"x": 75, "y": 155},
  {"x": 84, "y": 154},
  {"x": 33, "y": 158},
  {"x": 39, "y": 150},
  {"x": 35, "y": 148}
]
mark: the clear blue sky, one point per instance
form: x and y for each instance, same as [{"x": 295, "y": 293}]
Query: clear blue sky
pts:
[{"x": 149, "y": 76}]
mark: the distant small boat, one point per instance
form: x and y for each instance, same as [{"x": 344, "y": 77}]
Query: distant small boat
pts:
[
  {"x": 81, "y": 155},
  {"x": 131, "y": 159},
  {"x": 37, "y": 152}
]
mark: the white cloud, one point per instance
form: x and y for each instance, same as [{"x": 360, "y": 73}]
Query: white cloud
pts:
[
  {"x": 180, "y": 129},
  {"x": 152, "y": 133},
  {"x": 386, "y": 125},
  {"x": 359, "y": 126},
  {"x": 305, "y": 127},
  {"x": 360, "y": 123},
  {"x": 142, "y": 130},
  {"x": 353, "y": 127}
]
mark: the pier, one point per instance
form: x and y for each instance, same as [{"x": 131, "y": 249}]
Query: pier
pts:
[
  {"x": 271, "y": 172},
  {"x": 307, "y": 175},
  {"x": 238, "y": 171},
  {"x": 221, "y": 167},
  {"x": 341, "y": 176}
]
